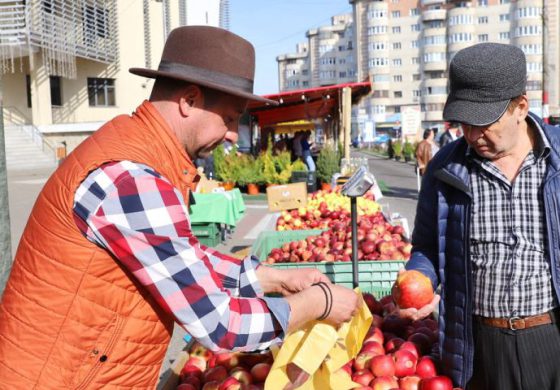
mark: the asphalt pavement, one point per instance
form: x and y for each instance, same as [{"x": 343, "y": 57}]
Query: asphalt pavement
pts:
[{"x": 400, "y": 197}]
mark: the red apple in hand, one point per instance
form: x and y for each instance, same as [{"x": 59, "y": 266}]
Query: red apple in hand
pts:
[
  {"x": 412, "y": 289},
  {"x": 436, "y": 383}
]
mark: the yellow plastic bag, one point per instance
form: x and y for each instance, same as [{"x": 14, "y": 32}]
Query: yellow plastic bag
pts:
[{"x": 319, "y": 350}]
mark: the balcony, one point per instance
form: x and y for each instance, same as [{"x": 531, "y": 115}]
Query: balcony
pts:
[
  {"x": 435, "y": 65},
  {"x": 434, "y": 14},
  {"x": 424, "y": 3}
]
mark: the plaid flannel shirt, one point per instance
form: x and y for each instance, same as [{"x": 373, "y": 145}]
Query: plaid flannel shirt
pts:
[
  {"x": 508, "y": 241},
  {"x": 139, "y": 217}
]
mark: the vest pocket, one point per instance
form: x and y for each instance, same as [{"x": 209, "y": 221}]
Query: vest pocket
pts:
[{"x": 100, "y": 353}]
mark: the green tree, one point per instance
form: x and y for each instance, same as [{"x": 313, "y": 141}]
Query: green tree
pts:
[{"x": 328, "y": 163}]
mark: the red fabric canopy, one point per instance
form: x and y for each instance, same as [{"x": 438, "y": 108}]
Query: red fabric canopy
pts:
[{"x": 306, "y": 104}]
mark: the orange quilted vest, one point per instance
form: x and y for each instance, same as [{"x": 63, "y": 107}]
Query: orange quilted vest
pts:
[{"x": 71, "y": 316}]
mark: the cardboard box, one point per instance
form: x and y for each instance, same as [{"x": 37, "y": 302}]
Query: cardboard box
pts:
[
  {"x": 205, "y": 186},
  {"x": 286, "y": 196}
]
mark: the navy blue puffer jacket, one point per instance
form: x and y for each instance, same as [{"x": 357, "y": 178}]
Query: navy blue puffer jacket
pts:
[{"x": 441, "y": 244}]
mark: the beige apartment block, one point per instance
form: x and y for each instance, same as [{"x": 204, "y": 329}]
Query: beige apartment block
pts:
[
  {"x": 65, "y": 63},
  {"x": 404, "y": 47},
  {"x": 325, "y": 59}
]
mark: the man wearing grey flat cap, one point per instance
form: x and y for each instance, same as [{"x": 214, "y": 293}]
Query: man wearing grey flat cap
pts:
[{"x": 487, "y": 229}]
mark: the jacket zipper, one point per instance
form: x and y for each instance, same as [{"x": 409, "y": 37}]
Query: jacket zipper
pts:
[
  {"x": 468, "y": 315},
  {"x": 107, "y": 350}
]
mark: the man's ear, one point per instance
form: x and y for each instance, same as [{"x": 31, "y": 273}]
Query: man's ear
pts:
[
  {"x": 190, "y": 98},
  {"x": 523, "y": 107}
]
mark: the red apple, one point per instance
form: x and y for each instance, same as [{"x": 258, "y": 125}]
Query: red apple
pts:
[
  {"x": 412, "y": 289},
  {"x": 186, "y": 386},
  {"x": 425, "y": 368},
  {"x": 260, "y": 371},
  {"x": 227, "y": 359},
  {"x": 405, "y": 363},
  {"x": 373, "y": 346},
  {"x": 393, "y": 344},
  {"x": 212, "y": 385},
  {"x": 218, "y": 373},
  {"x": 411, "y": 347},
  {"x": 436, "y": 383},
  {"x": 382, "y": 365},
  {"x": 230, "y": 383},
  {"x": 374, "y": 334},
  {"x": 242, "y": 375},
  {"x": 193, "y": 381},
  {"x": 409, "y": 382},
  {"x": 422, "y": 341},
  {"x": 363, "y": 359},
  {"x": 384, "y": 383},
  {"x": 362, "y": 377}
]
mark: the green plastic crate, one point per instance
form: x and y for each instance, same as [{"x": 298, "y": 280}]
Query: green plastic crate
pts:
[
  {"x": 205, "y": 229},
  {"x": 210, "y": 241},
  {"x": 376, "y": 277},
  {"x": 268, "y": 240}
]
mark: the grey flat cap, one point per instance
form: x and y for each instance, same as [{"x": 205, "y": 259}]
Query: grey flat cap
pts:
[{"x": 483, "y": 79}]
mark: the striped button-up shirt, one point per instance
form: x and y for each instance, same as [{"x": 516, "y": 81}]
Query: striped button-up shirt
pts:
[
  {"x": 140, "y": 218},
  {"x": 508, "y": 242}
]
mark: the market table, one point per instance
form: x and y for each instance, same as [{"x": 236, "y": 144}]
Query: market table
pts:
[{"x": 218, "y": 207}]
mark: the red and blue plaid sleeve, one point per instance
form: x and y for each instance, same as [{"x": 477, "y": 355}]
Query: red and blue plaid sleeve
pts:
[{"x": 139, "y": 217}]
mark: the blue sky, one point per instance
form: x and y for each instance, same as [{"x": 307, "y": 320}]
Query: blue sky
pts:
[{"x": 274, "y": 27}]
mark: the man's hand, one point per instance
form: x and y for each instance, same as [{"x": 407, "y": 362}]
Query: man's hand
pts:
[
  {"x": 413, "y": 313},
  {"x": 288, "y": 281},
  {"x": 418, "y": 314}
]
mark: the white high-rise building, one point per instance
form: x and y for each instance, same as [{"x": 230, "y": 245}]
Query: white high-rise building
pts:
[{"x": 404, "y": 48}]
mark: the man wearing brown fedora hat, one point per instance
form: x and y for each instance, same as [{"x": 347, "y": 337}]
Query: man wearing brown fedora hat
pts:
[
  {"x": 486, "y": 230},
  {"x": 108, "y": 262}
]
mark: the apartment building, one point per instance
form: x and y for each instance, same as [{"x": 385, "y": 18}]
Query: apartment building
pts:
[
  {"x": 326, "y": 58},
  {"x": 65, "y": 63},
  {"x": 404, "y": 48}
]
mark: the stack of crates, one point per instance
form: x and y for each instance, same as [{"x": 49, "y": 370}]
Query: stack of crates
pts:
[{"x": 207, "y": 233}]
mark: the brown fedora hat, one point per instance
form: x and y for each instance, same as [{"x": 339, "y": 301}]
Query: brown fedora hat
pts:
[{"x": 208, "y": 56}]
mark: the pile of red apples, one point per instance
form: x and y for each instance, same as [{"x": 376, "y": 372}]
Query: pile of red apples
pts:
[
  {"x": 377, "y": 240},
  {"x": 205, "y": 370},
  {"x": 397, "y": 353}
]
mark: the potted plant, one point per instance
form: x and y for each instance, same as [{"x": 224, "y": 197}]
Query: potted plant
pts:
[
  {"x": 328, "y": 163},
  {"x": 247, "y": 174},
  {"x": 408, "y": 151},
  {"x": 224, "y": 166},
  {"x": 397, "y": 149}
]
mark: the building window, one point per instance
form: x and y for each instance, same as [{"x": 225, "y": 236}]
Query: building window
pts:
[
  {"x": 56, "y": 90},
  {"x": 396, "y": 29},
  {"x": 396, "y": 45},
  {"x": 95, "y": 22},
  {"x": 416, "y": 93},
  {"x": 415, "y": 27},
  {"x": 101, "y": 92},
  {"x": 380, "y": 78},
  {"x": 28, "y": 89},
  {"x": 504, "y": 1},
  {"x": 397, "y": 62},
  {"x": 375, "y": 30},
  {"x": 414, "y": 12},
  {"x": 377, "y": 62},
  {"x": 483, "y": 20},
  {"x": 416, "y": 77},
  {"x": 504, "y": 17},
  {"x": 504, "y": 35},
  {"x": 415, "y": 60},
  {"x": 534, "y": 67},
  {"x": 414, "y": 43},
  {"x": 523, "y": 31},
  {"x": 397, "y": 78},
  {"x": 397, "y": 109},
  {"x": 483, "y": 38},
  {"x": 398, "y": 94},
  {"x": 483, "y": 3},
  {"x": 396, "y": 14}
]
